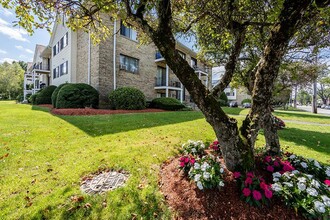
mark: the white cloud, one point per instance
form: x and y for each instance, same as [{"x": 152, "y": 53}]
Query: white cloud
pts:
[
  {"x": 22, "y": 56},
  {"x": 6, "y": 12},
  {"x": 19, "y": 47},
  {"x": 9, "y": 60},
  {"x": 3, "y": 51},
  {"x": 11, "y": 32},
  {"x": 29, "y": 51}
]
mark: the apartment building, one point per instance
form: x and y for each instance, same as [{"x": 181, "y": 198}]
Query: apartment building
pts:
[{"x": 116, "y": 62}]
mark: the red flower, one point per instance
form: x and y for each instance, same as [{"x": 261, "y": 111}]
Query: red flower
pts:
[
  {"x": 327, "y": 182},
  {"x": 215, "y": 142},
  {"x": 192, "y": 161},
  {"x": 181, "y": 159},
  {"x": 264, "y": 186},
  {"x": 270, "y": 168},
  {"x": 246, "y": 192},
  {"x": 276, "y": 164},
  {"x": 256, "y": 195},
  {"x": 182, "y": 164},
  {"x": 237, "y": 175},
  {"x": 268, "y": 159},
  {"x": 268, "y": 194},
  {"x": 186, "y": 160},
  {"x": 250, "y": 174},
  {"x": 248, "y": 181},
  {"x": 287, "y": 166}
]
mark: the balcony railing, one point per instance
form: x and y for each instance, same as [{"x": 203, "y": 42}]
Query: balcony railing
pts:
[
  {"x": 161, "y": 82},
  {"x": 158, "y": 55},
  {"x": 41, "y": 67},
  {"x": 202, "y": 69}
]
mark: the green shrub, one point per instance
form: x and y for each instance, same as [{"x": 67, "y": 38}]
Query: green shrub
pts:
[
  {"x": 78, "y": 95},
  {"x": 127, "y": 98},
  {"x": 246, "y": 101},
  {"x": 167, "y": 104},
  {"x": 54, "y": 95},
  {"x": 223, "y": 100},
  {"x": 44, "y": 96},
  {"x": 28, "y": 96},
  {"x": 32, "y": 99}
]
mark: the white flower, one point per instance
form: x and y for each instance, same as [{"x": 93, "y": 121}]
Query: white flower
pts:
[
  {"x": 221, "y": 170},
  {"x": 221, "y": 183},
  {"x": 326, "y": 200},
  {"x": 309, "y": 176},
  {"x": 197, "y": 166},
  {"x": 205, "y": 166},
  {"x": 197, "y": 177},
  {"x": 276, "y": 187},
  {"x": 302, "y": 179},
  {"x": 311, "y": 191},
  {"x": 202, "y": 145},
  {"x": 327, "y": 172},
  {"x": 200, "y": 185},
  {"x": 289, "y": 184},
  {"x": 275, "y": 179},
  {"x": 319, "y": 206},
  {"x": 193, "y": 150},
  {"x": 295, "y": 172},
  {"x": 277, "y": 174},
  {"x": 315, "y": 183},
  {"x": 301, "y": 186},
  {"x": 317, "y": 164},
  {"x": 286, "y": 174},
  {"x": 206, "y": 175},
  {"x": 292, "y": 156},
  {"x": 304, "y": 165}
]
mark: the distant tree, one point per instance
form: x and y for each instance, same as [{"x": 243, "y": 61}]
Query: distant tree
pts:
[
  {"x": 324, "y": 89},
  {"x": 11, "y": 80},
  {"x": 304, "y": 97}
]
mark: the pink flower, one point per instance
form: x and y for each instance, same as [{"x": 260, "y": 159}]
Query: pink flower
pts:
[
  {"x": 268, "y": 194},
  {"x": 256, "y": 195},
  {"x": 215, "y": 142},
  {"x": 186, "y": 160},
  {"x": 182, "y": 164},
  {"x": 246, "y": 192},
  {"x": 181, "y": 159},
  {"x": 327, "y": 182},
  {"x": 192, "y": 161},
  {"x": 287, "y": 166},
  {"x": 264, "y": 186},
  {"x": 276, "y": 164},
  {"x": 268, "y": 159},
  {"x": 250, "y": 174},
  {"x": 237, "y": 175},
  {"x": 248, "y": 181},
  {"x": 270, "y": 168}
]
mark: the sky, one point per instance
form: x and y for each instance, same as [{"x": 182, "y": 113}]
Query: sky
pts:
[{"x": 15, "y": 43}]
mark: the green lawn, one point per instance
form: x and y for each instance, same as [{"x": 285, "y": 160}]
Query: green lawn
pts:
[{"x": 48, "y": 156}]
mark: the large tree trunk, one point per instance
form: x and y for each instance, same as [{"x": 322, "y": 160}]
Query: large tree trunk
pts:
[{"x": 271, "y": 136}]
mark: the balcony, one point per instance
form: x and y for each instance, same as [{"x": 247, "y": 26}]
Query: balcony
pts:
[
  {"x": 172, "y": 84},
  {"x": 41, "y": 68},
  {"x": 202, "y": 70},
  {"x": 159, "y": 57}
]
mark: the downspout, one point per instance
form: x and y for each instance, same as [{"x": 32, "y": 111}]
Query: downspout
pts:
[
  {"x": 89, "y": 58},
  {"x": 114, "y": 54}
]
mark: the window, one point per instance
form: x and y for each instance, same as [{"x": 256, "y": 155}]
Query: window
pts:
[
  {"x": 128, "y": 32},
  {"x": 183, "y": 55},
  {"x": 129, "y": 64},
  {"x": 193, "y": 62},
  {"x": 161, "y": 76},
  {"x": 63, "y": 42},
  {"x": 55, "y": 72}
]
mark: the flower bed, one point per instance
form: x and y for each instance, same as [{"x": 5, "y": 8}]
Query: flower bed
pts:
[{"x": 300, "y": 183}]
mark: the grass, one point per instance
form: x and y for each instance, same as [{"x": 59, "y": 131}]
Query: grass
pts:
[{"x": 48, "y": 155}]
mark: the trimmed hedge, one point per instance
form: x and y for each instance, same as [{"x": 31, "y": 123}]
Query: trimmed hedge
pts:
[
  {"x": 55, "y": 93},
  {"x": 246, "y": 101},
  {"x": 223, "y": 99},
  {"x": 167, "y": 104},
  {"x": 78, "y": 95},
  {"x": 32, "y": 99},
  {"x": 127, "y": 98},
  {"x": 45, "y": 95}
]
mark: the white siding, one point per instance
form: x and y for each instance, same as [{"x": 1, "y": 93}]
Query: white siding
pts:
[{"x": 63, "y": 56}]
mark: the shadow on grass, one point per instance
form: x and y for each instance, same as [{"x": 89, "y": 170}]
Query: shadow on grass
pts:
[
  {"x": 233, "y": 111},
  {"x": 317, "y": 141},
  {"x": 301, "y": 115},
  {"x": 98, "y": 125}
]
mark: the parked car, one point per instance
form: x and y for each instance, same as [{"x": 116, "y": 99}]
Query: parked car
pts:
[
  {"x": 323, "y": 106},
  {"x": 233, "y": 104},
  {"x": 327, "y": 107},
  {"x": 246, "y": 105}
]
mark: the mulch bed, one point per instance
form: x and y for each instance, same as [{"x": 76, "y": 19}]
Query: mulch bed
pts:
[
  {"x": 91, "y": 111},
  {"x": 188, "y": 202}
]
